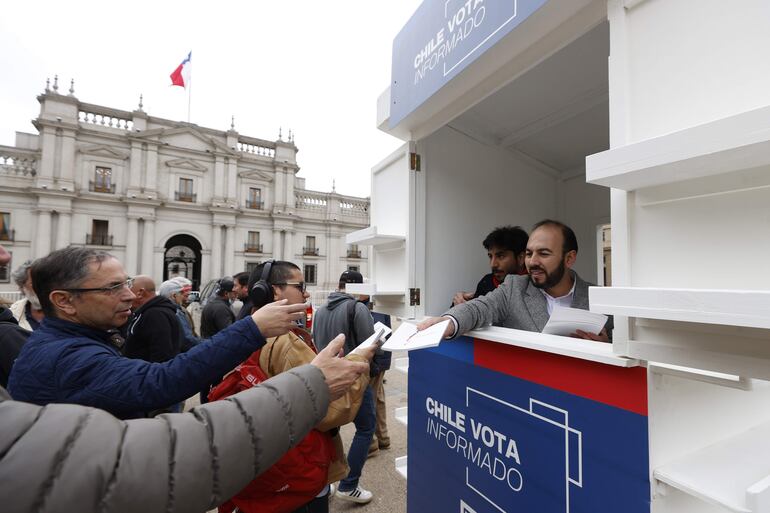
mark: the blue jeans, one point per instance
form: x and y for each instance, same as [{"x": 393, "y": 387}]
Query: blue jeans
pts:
[{"x": 365, "y": 421}]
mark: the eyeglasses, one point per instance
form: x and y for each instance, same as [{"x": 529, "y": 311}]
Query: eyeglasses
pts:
[
  {"x": 113, "y": 290},
  {"x": 300, "y": 285}
]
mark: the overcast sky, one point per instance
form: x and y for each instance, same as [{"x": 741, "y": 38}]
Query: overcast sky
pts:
[{"x": 313, "y": 67}]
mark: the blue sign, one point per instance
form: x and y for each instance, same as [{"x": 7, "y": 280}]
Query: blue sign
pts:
[
  {"x": 441, "y": 39},
  {"x": 485, "y": 442}
]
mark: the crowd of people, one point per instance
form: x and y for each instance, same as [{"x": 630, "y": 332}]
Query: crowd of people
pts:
[{"x": 128, "y": 353}]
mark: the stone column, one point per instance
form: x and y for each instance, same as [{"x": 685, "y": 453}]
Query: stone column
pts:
[
  {"x": 43, "y": 234},
  {"x": 132, "y": 242},
  {"x": 277, "y": 244},
  {"x": 152, "y": 169},
  {"x": 67, "y": 163},
  {"x": 231, "y": 170},
  {"x": 216, "y": 252},
  {"x": 64, "y": 233},
  {"x": 148, "y": 248},
  {"x": 219, "y": 178},
  {"x": 229, "y": 256},
  {"x": 288, "y": 248},
  {"x": 135, "y": 166}
]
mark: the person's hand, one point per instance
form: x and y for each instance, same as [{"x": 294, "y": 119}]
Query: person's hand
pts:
[
  {"x": 601, "y": 337},
  {"x": 430, "y": 321},
  {"x": 339, "y": 372},
  {"x": 277, "y": 318},
  {"x": 462, "y": 297}
]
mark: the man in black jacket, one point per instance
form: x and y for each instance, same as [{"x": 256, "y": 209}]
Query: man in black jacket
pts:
[
  {"x": 217, "y": 314},
  {"x": 154, "y": 333}
]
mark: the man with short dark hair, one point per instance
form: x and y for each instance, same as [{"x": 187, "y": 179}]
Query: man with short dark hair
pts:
[
  {"x": 505, "y": 248},
  {"x": 217, "y": 314},
  {"x": 72, "y": 359},
  {"x": 526, "y": 302},
  {"x": 241, "y": 290},
  {"x": 344, "y": 313}
]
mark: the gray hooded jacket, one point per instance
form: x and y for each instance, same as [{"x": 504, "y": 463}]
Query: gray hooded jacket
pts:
[
  {"x": 64, "y": 457},
  {"x": 333, "y": 318}
]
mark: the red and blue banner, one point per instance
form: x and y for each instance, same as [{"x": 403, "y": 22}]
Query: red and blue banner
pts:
[{"x": 496, "y": 428}]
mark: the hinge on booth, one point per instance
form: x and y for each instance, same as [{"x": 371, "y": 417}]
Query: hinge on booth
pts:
[
  {"x": 414, "y": 297},
  {"x": 414, "y": 161}
]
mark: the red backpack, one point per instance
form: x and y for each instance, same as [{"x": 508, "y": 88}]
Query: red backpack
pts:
[{"x": 297, "y": 477}]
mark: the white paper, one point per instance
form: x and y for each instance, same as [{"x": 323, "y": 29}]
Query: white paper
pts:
[
  {"x": 565, "y": 321},
  {"x": 369, "y": 341},
  {"x": 407, "y": 338}
]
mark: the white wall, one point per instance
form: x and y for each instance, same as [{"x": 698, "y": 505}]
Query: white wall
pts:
[{"x": 471, "y": 189}]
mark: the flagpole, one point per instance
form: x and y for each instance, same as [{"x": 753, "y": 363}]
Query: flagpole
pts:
[{"x": 189, "y": 97}]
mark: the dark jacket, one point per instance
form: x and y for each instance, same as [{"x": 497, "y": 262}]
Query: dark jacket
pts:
[
  {"x": 216, "y": 316},
  {"x": 154, "y": 333},
  {"x": 12, "y": 338},
  {"x": 333, "y": 318},
  {"x": 64, "y": 362},
  {"x": 69, "y": 458},
  {"x": 189, "y": 338}
]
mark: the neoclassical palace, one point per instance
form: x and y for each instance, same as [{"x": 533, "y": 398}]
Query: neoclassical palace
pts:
[{"x": 167, "y": 198}]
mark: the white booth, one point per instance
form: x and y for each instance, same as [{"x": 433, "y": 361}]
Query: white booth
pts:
[{"x": 652, "y": 116}]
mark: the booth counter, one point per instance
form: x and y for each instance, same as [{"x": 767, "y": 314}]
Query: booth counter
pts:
[{"x": 499, "y": 421}]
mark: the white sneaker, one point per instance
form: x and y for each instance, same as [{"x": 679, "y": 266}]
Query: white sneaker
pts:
[{"x": 358, "y": 495}]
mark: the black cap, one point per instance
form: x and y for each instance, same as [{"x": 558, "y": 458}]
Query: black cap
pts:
[
  {"x": 351, "y": 277},
  {"x": 226, "y": 284}
]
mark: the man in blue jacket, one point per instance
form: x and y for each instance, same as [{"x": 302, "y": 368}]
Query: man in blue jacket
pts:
[{"x": 72, "y": 357}]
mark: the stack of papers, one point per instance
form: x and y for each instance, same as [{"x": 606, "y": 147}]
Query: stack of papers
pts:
[
  {"x": 379, "y": 329},
  {"x": 407, "y": 338},
  {"x": 565, "y": 321}
]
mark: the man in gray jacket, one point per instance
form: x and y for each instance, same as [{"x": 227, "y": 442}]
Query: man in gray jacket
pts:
[
  {"x": 526, "y": 302},
  {"x": 343, "y": 313}
]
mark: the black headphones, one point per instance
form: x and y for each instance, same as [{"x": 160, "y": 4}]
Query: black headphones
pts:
[{"x": 261, "y": 292}]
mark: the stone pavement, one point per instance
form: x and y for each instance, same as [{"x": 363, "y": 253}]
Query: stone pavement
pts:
[{"x": 379, "y": 475}]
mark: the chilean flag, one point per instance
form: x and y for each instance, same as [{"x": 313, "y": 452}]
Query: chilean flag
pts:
[{"x": 181, "y": 75}]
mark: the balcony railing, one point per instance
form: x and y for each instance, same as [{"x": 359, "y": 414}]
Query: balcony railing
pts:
[
  {"x": 108, "y": 188},
  {"x": 8, "y": 235},
  {"x": 185, "y": 196},
  {"x": 255, "y": 204},
  {"x": 252, "y": 248},
  {"x": 98, "y": 239},
  {"x": 354, "y": 253},
  {"x": 310, "y": 251}
]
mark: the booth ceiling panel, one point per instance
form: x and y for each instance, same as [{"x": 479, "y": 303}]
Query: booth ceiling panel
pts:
[{"x": 557, "y": 112}]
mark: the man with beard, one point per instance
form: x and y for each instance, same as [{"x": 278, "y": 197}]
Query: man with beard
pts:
[
  {"x": 526, "y": 302},
  {"x": 505, "y": 248}
]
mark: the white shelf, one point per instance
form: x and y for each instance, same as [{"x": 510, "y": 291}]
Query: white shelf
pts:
[
  {"x": 743, "y": 308},
  {"x": 401, "y": 465},
  {"x": 722, "y": 146},
  {"x": 402, "y": 415},
  {"x": 370, "y": 237},
  {"x": 401, "y": 364},
  {"x": 370, "y": 289},
  {"x": 565, "y": 346},
  {"x": 733, "y": 473}
]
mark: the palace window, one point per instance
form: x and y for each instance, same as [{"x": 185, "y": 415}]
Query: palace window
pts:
[
  {"x": 185, "y": 192},
  {"x": 5, "y": 227},
  {"x": 252, "y": 243},
  {"x": 102, "y": 181},
  {"x": 99, "y": 235},
  {"x": 310, "y": 273},
  {"x": 310, "y": 247},
  {"x": 254, "y": 200}
]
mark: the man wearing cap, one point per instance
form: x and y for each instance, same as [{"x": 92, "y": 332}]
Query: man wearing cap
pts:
[
  {"x": 345, "y": 313},
  {"x": 217, "y": 314}
]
